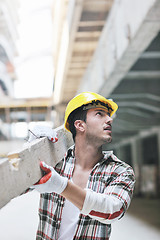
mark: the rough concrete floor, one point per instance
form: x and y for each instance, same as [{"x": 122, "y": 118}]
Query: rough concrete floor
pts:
[
  {"x": 147, "y": 210},
  {"x": 19, "y": 220},
  {"x": 141, "y": 222}
]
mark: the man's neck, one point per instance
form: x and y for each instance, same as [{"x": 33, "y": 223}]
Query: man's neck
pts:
[{"x": 87, "y": 156}]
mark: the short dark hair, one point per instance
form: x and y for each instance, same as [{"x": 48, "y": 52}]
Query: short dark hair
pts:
[{"x": 77, "y": 114}]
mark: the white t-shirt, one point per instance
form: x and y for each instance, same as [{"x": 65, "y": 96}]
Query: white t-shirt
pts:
[{"x": 69, "y": 221}]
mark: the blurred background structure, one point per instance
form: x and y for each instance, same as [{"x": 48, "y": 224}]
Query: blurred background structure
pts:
[{"x": 111, "y": 47}]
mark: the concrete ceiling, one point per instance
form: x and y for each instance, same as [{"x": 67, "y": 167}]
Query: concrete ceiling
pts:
[
  {"x": 138, "y": 95},
  {"x": 87, "y": 24},
  {"x": 134, "y": 82}
]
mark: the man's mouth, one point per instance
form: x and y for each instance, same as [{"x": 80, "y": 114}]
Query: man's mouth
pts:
[{"x": 108, "y": 128}]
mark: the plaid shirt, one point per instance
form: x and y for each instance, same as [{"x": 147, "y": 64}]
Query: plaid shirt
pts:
[{"x": 109, "y": 177}]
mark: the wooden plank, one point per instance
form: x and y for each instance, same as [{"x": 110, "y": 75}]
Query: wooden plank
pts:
[{"x": 21, "y": 169}]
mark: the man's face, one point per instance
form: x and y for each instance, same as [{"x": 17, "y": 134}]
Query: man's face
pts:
[{"x": 98, "y": 126}]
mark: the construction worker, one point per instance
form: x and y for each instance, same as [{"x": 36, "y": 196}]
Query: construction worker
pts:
[{"x": 88, "y": 189}]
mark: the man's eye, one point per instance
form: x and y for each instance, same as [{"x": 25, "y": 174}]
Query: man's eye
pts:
[{"x": 99, "y": 113}]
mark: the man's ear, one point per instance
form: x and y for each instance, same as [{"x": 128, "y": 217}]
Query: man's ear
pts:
[{"x": 79, "y": 125}]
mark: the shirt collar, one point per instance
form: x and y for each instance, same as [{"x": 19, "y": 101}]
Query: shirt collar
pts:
[
  {"x": 106, "y": 155},
  {"x": 109, "y": 154}
]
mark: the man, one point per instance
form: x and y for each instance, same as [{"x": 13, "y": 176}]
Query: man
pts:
[{"x": 88, "y": 189}]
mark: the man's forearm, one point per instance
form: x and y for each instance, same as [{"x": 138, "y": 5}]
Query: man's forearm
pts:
[
  {"x": 74, "y": 194},
  {"x": 98, "y": 206}
]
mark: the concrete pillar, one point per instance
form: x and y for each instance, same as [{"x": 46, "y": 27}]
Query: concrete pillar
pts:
[
  {"x": 121, "y": 153},
  {"x": 8, "y": 120},
  {"x": 118, "y": 153},
  {"x": 158, "y": 168},
  {"x": 48, "y": 115},
  {"x": 28, "y": 114},
  {"x": 137, "y": 158}
]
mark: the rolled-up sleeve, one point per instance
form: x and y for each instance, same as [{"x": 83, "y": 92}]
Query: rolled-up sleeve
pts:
[{"x": 111, "y": 205}]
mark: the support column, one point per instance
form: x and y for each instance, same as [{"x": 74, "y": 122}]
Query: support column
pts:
[
  {"x": 137, "y": 159},
  {"x": 48, "y": 115},
  {"x": 158, "y": 167},
  {"x": 8, "y": 121},
  {"x": 28, "y": 114}
]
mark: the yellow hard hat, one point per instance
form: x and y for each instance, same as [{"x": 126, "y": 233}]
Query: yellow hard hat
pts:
[{"x": 88, "y": 100}]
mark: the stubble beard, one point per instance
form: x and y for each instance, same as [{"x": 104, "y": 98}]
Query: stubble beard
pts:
[
  {"x": 109, "y": 139},
  {"x": 101, "y": 141}
]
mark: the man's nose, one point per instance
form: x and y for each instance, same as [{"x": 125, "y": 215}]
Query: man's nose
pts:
[{"x": 109, "y": 119}]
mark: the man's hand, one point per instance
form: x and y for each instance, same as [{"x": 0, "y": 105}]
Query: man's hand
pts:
[
  {"x": 43, "y": 131},
  {"x": 51, "y": 181}
]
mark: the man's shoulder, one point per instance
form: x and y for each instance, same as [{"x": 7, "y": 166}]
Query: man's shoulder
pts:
[
  {"x": 114, "y": 160},
  {"x": 68, "y": 155}
]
